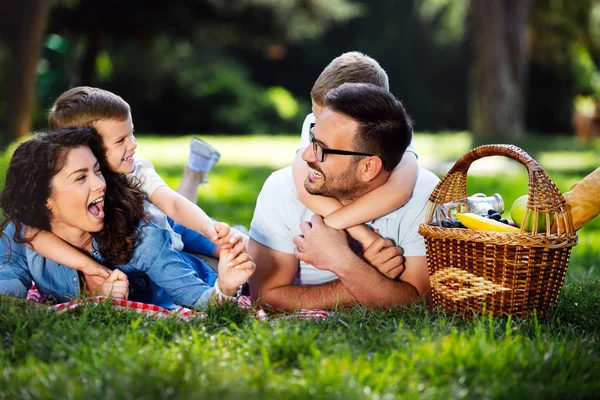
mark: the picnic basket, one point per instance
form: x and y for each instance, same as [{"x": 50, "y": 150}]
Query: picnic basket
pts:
[{"x": 498, "y": 272}]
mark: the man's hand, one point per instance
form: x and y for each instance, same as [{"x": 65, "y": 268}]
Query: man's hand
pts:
[
  {"x": 234, "y": 271},
  {"x": 320, "y": 245},
  {"x": 387, "y": 258}
]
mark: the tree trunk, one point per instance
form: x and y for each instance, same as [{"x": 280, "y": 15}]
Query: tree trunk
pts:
[
  {"x": 25, "y": 51},
  {"x": 498, "y": 69},
  {"x": 88, "y": 63}
]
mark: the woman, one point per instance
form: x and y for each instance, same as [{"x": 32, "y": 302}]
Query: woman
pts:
[{"x": 55, "y": 182}]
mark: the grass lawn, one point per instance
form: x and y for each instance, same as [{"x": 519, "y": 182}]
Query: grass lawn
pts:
[{"x": 95, "y": 352}]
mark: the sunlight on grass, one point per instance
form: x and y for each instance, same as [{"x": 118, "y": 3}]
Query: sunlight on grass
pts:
[
  {"x": 442, "y": 146},
  {"x": 567, "y": 161},
  {"x": 272, "y": 151}
]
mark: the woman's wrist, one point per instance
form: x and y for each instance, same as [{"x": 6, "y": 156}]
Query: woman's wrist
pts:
[{"x": 225, "y": 291}]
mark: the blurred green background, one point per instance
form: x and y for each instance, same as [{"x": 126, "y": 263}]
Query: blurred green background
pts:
[{"x": 247, "y": 66}]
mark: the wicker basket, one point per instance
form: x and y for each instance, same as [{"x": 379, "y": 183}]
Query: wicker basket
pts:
[{"x": 497, "y": 272}]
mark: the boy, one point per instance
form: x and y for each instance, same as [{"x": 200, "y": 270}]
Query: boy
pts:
[{"x": 354, "y": 67}]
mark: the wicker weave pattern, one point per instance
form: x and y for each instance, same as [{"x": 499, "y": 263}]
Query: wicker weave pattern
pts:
[{"x": 499, "y": 272}]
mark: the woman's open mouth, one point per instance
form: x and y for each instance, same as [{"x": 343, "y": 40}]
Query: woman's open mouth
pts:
[{"x": 96, "y": 208}]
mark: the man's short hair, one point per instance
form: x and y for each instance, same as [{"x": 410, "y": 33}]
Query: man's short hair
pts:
[
  {"x": 351, "y": 67},
  {"x": 384, "y": 127},
  {"x": 82, "y": 106}
]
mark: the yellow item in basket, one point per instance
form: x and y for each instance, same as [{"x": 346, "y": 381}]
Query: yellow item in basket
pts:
[{"x": 474, "y": 221}]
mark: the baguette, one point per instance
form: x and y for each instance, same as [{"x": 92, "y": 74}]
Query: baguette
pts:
[{"x": 583, "y": 199}]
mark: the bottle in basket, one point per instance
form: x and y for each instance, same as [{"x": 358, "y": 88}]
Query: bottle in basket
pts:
[{"x": 479, "y": 203}]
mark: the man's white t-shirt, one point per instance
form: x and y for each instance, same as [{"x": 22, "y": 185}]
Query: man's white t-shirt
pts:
[
  {"x": 279, "y": 212},
  {"x": 144, "y": 172},
  {"x": 305, "y": 139}
]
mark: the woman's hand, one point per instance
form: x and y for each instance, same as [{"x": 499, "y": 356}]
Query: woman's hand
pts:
[
  {"x": 235, "y": 267},
  {"x": 116, "y": 285}
]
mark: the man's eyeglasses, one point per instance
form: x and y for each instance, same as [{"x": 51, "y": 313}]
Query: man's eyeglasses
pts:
[{"x": 321, "y": 152}]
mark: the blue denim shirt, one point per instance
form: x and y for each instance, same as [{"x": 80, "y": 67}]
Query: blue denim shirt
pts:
[{"x": 154, "y": 267}]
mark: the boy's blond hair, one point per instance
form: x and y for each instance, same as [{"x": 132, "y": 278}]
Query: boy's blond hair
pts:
[
  {"x": 82, "y": 106},
  {"x": 351, "y": 67}
]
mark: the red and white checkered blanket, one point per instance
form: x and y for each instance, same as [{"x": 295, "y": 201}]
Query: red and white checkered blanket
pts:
[{"x": 151, "y": 310}]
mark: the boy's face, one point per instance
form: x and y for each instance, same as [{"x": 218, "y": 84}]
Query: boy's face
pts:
[{"x": 119, "y": 142}]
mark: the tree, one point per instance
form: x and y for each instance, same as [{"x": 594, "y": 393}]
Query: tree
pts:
[
  {"x": 253, "y": 23},
  {"x": 24, "y": 26},
  {"x": 564, "y": 61},
  {"x": 93, "y": 23},
  {"x": 498, "y": 68}
]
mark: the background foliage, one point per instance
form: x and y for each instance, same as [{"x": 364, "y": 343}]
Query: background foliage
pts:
[{"x": 248, "y": 65}]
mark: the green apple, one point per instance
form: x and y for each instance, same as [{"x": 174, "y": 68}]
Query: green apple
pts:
[{"x": 517, "y": 213}]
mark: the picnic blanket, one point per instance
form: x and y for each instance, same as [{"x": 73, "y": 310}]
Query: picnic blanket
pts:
[{"x": 182, "y": 313}]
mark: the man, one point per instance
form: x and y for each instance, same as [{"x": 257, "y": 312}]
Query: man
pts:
[{"x": 357, "y": 141}]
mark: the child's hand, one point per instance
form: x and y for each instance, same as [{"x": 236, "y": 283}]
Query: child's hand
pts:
[
  {"x": 95, "y": 269},
  {"x": 234, "y": 271},
  {"x": 226, "y": 237},
  {"x": 116, "y": 285},
  {"x": 387, "y": 258}
]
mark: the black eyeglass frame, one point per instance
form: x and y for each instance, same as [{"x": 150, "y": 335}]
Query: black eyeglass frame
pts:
[{"x": 325, "y": 151}]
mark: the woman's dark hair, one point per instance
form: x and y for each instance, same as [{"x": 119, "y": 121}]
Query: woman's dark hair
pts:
[{"x": 29, "y": 185}]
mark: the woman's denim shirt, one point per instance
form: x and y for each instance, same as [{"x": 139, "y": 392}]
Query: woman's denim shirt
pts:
[{"x": 155, "y": 266}]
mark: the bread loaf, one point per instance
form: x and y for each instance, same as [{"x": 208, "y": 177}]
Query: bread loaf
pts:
[{"x": 583, "y": 199}]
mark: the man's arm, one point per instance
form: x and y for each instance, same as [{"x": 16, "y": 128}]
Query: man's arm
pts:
[
  {"x": 326, "y": 248},
  {"x": 271, "y": 284},
  {"x": 372, "y": 289}
]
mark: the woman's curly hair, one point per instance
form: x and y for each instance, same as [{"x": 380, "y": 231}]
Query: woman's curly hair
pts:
[{"x": 29, "y": 185}]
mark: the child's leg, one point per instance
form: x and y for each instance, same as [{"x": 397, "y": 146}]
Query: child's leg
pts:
[
  {"x": 201, "y": 159},
  {"x": 193, "y": 242},
  {"x": 204, "y": 271}
]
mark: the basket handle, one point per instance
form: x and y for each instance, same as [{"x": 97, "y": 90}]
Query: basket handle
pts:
[{"x": 544, "y": 195}]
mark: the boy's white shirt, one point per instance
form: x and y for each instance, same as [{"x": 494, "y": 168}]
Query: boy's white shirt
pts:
[
  {"x": 305, "y": 139},
  {"x": 144, "y": 172}
]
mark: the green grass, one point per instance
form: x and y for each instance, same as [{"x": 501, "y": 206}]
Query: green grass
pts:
[{"x": 95, "y": 352}]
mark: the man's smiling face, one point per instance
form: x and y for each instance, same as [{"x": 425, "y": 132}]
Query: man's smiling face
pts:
[{"x": 336, "y": 176}]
